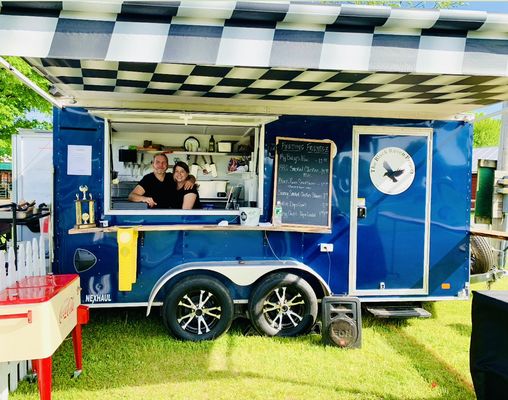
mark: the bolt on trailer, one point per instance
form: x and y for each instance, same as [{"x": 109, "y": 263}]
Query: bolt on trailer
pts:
[{"x": 348, "y": 120}]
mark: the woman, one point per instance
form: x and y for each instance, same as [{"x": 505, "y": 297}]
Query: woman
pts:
[{"x": 185, "y": 199}]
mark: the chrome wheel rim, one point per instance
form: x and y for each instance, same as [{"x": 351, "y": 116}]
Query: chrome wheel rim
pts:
[
  {"x": 198, "y": 312},
  {"x": 284, "y": 308}
]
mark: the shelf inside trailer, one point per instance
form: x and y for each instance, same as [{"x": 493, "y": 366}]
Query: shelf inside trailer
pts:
[
  {"x": 196, "y": 227},
  {"x": 195, "y": 153}
]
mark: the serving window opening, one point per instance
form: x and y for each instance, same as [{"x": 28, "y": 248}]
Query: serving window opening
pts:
[{"x": 223, "y": 158}]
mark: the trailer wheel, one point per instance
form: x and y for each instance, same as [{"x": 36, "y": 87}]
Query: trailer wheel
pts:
[
  {"x": 482, "y": 256},
  {"x": 283, "y": 305},
  {"x": 198, "y": 308}
]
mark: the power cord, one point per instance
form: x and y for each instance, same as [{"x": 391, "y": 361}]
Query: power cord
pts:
[
  {"x": 271, "y": 248},
  {"x": 234, "y": 219},
  {"x": 329, "y": 268}
]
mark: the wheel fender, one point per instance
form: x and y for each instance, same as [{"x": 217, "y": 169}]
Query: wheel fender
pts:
[{"x": 242, "y": 273}]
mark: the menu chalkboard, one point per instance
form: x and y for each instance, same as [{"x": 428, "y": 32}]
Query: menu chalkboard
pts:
[{"x": 303, "y": 181}]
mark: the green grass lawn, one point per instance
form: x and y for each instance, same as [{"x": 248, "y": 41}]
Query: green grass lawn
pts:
[{"x": 128, "y": 356}]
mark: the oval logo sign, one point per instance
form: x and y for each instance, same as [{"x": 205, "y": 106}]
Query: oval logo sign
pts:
[{"x": 392, "y": 170}]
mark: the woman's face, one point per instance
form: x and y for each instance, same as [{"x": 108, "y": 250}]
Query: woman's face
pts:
[{"x": 179, "y": 174}]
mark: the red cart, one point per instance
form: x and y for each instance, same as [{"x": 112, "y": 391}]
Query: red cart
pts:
[{"x": 36, "y": 315}]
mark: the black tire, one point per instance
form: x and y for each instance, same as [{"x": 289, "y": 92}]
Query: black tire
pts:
[
  {"x": 187, "y": 319},
  {"x": 283, "y": 304},
  {"x": 482, "y": 256}
]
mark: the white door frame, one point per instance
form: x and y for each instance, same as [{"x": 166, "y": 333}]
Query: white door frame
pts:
[{"x": 384, "y": 130}]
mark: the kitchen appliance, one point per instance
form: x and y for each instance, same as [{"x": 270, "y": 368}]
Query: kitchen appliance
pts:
[
  {"x": 225, "y": 146},
  {"x": 210, "y": 189},
  {"x": 191, "y": 144}
]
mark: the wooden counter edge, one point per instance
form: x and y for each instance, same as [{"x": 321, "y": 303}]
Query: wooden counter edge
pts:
[
  {"x": 489, "y": 233},
  {"x": 180, "y": 227}
]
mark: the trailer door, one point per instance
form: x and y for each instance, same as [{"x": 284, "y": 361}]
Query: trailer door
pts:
[{"x": 390, "y": 210}]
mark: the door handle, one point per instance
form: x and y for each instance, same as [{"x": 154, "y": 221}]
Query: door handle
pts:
[
  {"x": 361, "y": 211},
  {"x": 27, "y": 315}
]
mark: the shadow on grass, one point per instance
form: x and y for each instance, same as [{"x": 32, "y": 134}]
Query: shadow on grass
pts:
[
  {"x": 123, "y": 348},
  {"x": 431, "y": 367},
  {"x": 462, "y": 329}
]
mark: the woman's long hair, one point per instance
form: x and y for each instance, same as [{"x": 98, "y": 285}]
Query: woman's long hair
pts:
[{"x": 182, "y": 165}]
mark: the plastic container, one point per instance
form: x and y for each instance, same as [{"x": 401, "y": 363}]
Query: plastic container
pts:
[
  {"x": 249, "y": 216},
  {"x": 277, "y": 214}
]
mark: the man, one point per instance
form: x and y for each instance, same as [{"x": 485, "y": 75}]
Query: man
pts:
[{"x": 157, "y": 188}]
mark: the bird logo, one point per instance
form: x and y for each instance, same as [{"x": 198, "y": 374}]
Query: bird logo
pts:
[
  {"x": 392, "y": 170},
  {"x": 390, "y": 173}
]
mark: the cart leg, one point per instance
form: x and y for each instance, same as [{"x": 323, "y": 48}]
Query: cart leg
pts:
[
  {"x": 78, "y": 349},
  {"x": 82, "y": 319},
  {"x": 43, "y": 368}
]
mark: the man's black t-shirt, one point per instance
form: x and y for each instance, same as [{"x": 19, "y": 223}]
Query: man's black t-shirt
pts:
[
  {"x": 177, "y": 200},
  {"x": 162, "y": 193}
]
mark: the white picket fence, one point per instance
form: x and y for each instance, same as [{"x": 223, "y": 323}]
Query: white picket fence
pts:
[{"x": 31, "y": 262}]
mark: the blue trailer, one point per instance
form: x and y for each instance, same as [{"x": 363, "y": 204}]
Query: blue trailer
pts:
[
  {"x": 353, "y": 122},
  {"x": 385, "y": 243}
]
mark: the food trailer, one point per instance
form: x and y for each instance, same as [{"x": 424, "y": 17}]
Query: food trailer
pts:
[{"x": 348, "y": 119}]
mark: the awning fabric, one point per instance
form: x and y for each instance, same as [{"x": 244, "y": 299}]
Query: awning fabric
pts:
[{"x": 282, "y": 50}]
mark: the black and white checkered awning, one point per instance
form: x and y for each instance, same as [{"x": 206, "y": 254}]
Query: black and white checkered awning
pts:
[{"x": 283, "y": 56}]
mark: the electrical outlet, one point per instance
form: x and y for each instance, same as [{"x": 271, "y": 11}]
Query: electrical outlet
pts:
[{"x": 326, "y": 247}]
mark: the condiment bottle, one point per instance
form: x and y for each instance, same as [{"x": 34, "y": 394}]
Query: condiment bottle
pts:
[{"x": 211, "y": 145}]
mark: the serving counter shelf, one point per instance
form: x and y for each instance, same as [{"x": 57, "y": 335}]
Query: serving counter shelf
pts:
[{"x": 208, "y": 227}]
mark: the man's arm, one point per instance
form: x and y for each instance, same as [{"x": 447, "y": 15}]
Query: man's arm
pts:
[{"x": 137, "y": 196}]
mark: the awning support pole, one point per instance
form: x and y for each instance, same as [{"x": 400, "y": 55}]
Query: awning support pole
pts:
[{"x": 5, "y": 64}]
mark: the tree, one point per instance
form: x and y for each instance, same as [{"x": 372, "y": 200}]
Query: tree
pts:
[
  {"x": 487, "y": 132},
  {"x": 16, "y": 100}
]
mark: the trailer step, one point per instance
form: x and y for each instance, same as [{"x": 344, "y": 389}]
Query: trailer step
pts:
[{"x": 398, "y": 312}]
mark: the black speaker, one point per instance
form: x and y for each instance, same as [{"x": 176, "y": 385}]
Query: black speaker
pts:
[{"x": 342, "y": 321}]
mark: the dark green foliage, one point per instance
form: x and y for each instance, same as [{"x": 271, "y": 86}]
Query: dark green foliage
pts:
[{"x": 16, "y": 100}]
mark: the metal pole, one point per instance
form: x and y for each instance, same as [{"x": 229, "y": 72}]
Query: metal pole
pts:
[
  {"x": 502, "y": 164},
  {"x": 502, "y": 160},
  {"x": 14, "y": 227}
]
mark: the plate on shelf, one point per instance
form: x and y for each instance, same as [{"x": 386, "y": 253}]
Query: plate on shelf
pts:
[{"x": 191, "y": 144}]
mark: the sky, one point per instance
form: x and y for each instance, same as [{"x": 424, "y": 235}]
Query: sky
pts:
[{"x": 489, "y": 6}]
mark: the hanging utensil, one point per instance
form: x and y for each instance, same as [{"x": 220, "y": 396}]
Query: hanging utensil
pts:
[
  {"x": 142, "y": 164},
  {"x": 139, "y": 158},
  {"x": 205, "y": 167},
  {"x": 194, "y": 169},
  {"x": 212, "y": 167}
]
